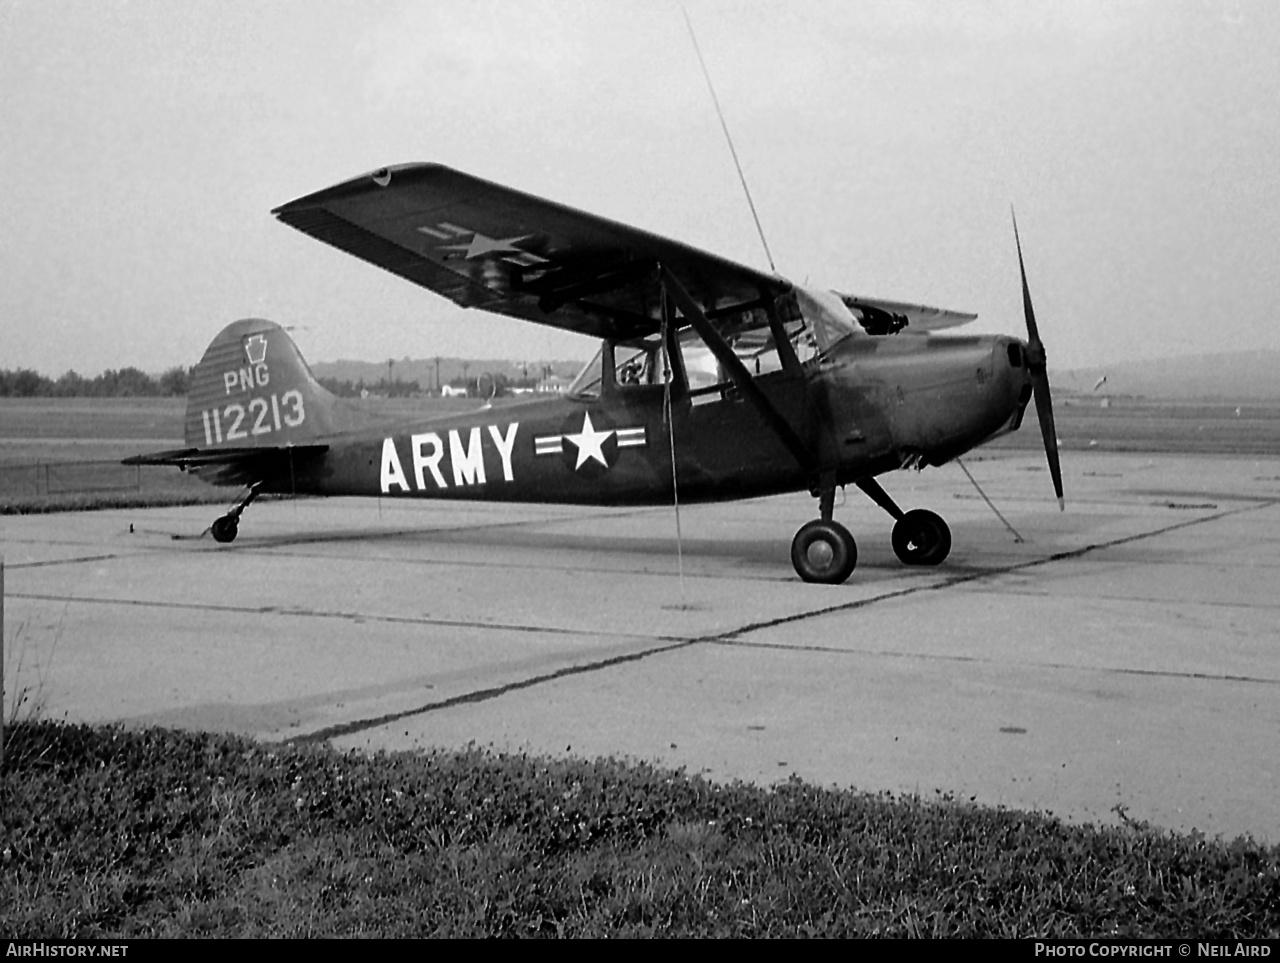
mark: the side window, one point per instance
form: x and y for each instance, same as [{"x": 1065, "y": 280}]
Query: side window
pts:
[
  {"x": 633, "y": 364},
  {"x": 754, "y": 347},
  {"x": 636, "y": 365}
]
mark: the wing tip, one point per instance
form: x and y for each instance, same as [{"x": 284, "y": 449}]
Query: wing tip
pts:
[{"x": 361, "y": 183}]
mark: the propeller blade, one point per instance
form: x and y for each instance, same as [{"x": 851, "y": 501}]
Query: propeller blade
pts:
[
  {"x": 1044, "y": 410},
  {"x": 1038, "y": 367}
]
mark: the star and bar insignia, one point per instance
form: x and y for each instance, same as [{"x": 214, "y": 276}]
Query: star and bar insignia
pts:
[
  {"x": 481, "y": 245},
  {"x": 590, "y": 447}
]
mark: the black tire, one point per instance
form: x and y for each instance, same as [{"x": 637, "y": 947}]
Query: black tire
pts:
[
  {"x": 921, "y": 538},
  {"x": 225, "y": 529},
  {"x": 824, "y": 552}
]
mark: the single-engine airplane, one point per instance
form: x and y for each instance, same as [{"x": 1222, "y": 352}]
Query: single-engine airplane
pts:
[{"x": 714, "y": 381}]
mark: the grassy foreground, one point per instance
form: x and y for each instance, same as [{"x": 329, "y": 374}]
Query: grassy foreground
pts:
[{"x": 115, "y": 833}]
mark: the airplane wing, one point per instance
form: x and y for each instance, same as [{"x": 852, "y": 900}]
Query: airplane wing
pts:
[
  {"x": 878, "y": 316},
  {"x": 482, "y": 245}
]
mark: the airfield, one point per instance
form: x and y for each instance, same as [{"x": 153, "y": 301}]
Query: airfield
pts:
[{"x": 1121, "y": 662}]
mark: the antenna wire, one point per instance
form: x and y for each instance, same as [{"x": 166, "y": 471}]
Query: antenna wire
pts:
[{"x": 725, "y": 127}]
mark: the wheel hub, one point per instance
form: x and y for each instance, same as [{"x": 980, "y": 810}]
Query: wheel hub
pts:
[{"x": 820, "y": 554}]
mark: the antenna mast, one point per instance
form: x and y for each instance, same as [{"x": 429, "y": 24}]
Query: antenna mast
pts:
[{"x": 725, "y": 127}]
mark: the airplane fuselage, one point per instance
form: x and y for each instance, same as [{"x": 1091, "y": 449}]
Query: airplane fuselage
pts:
[
  {"x": 870, "y": 406},
  {"x": 714, "y": 380}
]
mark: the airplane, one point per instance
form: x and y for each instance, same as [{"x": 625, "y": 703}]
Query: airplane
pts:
[{"x": 713, "y": 381}]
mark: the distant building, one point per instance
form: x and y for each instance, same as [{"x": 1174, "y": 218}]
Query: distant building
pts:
[{"x": 553, "y": 385}]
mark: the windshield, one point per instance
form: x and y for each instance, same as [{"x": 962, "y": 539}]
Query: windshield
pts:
[{"x": 826, "y": 317}]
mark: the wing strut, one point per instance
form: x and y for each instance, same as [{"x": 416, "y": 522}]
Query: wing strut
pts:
[{"x": 738, "y": 373}]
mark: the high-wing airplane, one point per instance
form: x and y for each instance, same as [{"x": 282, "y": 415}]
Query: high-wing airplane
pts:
[{"x": 713, "y": 381}]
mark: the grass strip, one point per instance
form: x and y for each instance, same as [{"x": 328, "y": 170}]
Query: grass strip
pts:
[{"x": 109, "y": 833}]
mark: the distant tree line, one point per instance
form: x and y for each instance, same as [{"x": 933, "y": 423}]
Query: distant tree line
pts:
[
  {"x": 346, "y": 388},
  {"x": 134, "y": 383},
  {"x": 124, "y": 383},
  {"x": 485, "y": 385}
]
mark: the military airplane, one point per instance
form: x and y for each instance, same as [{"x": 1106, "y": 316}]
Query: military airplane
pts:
[{"x": 713, "y": 380}]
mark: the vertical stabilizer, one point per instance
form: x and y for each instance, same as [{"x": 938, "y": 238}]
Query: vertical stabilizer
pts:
[{"x": 252, "y": 389}]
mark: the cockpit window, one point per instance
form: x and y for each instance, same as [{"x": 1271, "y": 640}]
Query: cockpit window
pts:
[
  {"x": 814, "y": 321},
  {"x": 755, "y": 348},
  {"x": 634, "y": 363},
  {"x": 752, "y": 341}
]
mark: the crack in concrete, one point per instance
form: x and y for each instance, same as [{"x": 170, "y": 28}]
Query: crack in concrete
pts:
[{"x": 350, "y": 616}]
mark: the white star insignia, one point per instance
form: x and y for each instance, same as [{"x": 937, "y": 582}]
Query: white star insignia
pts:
[
  {"x": 481, "y": 245},
  {"x": 589, "y": 442}
]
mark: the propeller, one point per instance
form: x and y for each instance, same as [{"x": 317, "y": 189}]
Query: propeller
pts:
[{"x": 1039, "y": 376}]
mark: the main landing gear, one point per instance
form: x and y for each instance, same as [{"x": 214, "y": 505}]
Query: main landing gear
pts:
[
  {"x": 823, "y": 550},
  {"x": 225, "y": 528}
]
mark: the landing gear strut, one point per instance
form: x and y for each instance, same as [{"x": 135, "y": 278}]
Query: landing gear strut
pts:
[
  {"x": 225, "y": 528},
  {"x": 824, "y": 551}
]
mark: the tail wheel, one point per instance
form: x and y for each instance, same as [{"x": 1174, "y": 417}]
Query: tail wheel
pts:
[
  {"x": 824, "y": 552},
  {"x": 225, "y": 528},
  {"x": 921, "y": 538}
]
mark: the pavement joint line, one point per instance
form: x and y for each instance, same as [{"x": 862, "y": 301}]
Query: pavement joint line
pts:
[
  {"x": 76, "y": 560},
  {"x": 483, "y": 695},
  {"x": 980, "y": 660},
  {"x": 349, "y": 616},
  {"x": 1140, "y": 599}
]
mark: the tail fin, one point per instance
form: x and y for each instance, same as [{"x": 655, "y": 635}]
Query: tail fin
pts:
[{"x": 252, "y": 389}]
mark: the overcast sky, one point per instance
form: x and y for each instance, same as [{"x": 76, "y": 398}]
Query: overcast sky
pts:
[{"x": 143, "y": 144}]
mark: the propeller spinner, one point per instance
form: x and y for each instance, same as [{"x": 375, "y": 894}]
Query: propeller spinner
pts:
[{"x": 1039, "y": 376}]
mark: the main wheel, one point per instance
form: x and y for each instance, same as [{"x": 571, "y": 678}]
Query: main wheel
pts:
[
  {"x": 824, "y": 552},
  {"x": 921, "y": 538},
  {"x": 225, "y": 528}
]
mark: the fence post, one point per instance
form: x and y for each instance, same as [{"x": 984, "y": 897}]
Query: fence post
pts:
[{"x": 2, "y": 645}]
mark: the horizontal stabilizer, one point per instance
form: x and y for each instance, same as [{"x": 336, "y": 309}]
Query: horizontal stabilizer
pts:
[
  {"x": 199, "y": 457},
  {"x": 237, "y": 466},
  {"x": 878, "y": 316}
]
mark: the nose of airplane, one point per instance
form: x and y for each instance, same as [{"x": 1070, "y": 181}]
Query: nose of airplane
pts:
[{"x": 1009, "y": 362}]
